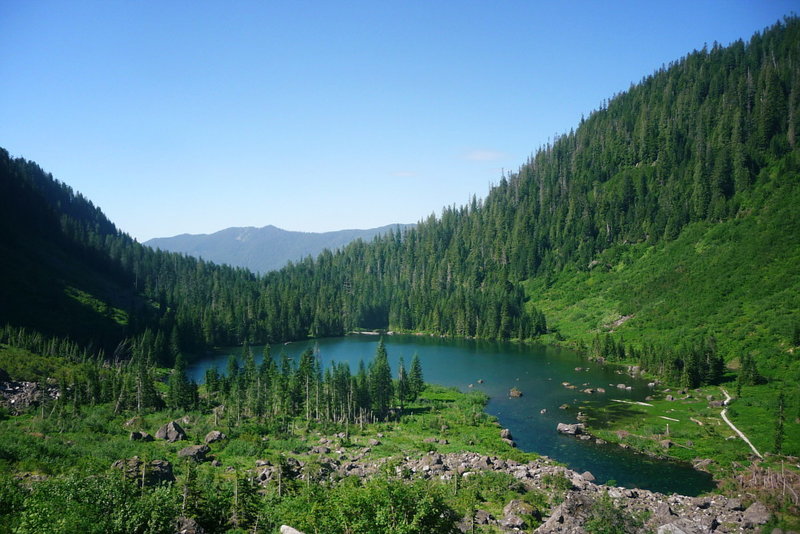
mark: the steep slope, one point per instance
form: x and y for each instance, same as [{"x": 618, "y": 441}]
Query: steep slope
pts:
[
  {"x": 701, "y": 153},
  {"x": 50, "y": 282},
  {"x": 263, "y": 249}
]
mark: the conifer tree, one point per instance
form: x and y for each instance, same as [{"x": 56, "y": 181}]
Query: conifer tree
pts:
[
  {"x": 416, "y": 382},
  {"x": 380, "y": 382}
]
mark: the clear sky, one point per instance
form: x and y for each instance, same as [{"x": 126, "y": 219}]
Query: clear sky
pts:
[{"x": 191, "y": 116}]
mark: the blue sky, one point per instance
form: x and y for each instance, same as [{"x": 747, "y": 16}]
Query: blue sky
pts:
[{"x": 189, "y": 117}]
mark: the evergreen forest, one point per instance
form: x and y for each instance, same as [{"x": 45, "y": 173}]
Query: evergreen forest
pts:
[{"x": 662, "y": 232}]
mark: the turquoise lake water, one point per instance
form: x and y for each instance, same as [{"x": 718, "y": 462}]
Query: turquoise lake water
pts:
[{"x": 538, "y": 371}]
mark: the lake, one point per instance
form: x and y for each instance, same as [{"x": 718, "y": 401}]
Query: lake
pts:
[{"x": 538, "y": 371}]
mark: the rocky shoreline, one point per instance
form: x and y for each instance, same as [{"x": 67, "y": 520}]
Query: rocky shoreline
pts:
[{"x": 666, "y": 514}]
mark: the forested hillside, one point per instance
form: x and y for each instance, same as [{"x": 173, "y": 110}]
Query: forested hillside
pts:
[{"x": 699, "y": 158}]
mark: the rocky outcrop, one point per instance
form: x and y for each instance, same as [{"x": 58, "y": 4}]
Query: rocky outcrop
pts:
[
  {"x": 187, "y": 525},
  {"x": 668, "y": 514},
  {"x": 149, "y": 474},
  {"x": 17, "y": 397},
  {"x": 285, "y": 529},
  {"x": 171, "y": 432}
]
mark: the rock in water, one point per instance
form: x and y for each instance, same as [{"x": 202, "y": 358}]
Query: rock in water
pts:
[
  {"x": 572, "y": 430},
  {"x": 514, "y": 392}
]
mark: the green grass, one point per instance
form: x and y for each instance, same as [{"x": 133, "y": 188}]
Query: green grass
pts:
[
  {"x": 646, "y": 426},
  {"x": 737, "y": 280}
]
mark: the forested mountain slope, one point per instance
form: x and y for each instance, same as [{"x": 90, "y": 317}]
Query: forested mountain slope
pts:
[
  {"x": 670, "y": 204},
  {"x": 262, "y": 249}
]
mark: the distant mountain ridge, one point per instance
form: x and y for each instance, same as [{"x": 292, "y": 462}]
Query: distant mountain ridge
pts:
[{"x": 263, "y": 249}]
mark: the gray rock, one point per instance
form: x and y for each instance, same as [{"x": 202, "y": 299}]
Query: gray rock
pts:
[
  {"x": 187, "y": 525},
  {"x": 681, "y": 526},
  {"x": 505, "y": 433},
  {"x": 150, "y": 474},
  {"x": 512, "y": 522},
  {"x": 195, "y": 452},
  {"x": 572, "y": 430},
  {"x": 482, "y": 517},
  {"x": 285, "y": 529},
  {"x": 756, "y": 514},
  {"x": 588, "y": 476},
  {"x": 518, "y": 507},
  {"x": 140, "y": 436},
  {"x": 373, "y": 442},
  {"x": 215, "y": 436},
  {"x": 171, "y": 432}
]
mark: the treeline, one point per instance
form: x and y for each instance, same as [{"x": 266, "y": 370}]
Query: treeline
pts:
[
  {"x": 686, "y": 144},
  {"x": 691, "y": 365},
  {"x": 270, "y": 392},
  {"x": 287, "y": 390}
]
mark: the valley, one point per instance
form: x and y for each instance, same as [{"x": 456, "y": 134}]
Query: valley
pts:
[{"x": 635, "y": 279}]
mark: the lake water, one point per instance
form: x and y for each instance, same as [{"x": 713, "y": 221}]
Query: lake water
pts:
[{"x": 538, "y": 371}]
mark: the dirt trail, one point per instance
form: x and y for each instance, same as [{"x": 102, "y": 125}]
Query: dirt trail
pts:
[{"x": 724, "y": 414}]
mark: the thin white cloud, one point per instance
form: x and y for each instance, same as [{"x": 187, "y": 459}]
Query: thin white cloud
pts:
[{"x": 485, "y": 155}]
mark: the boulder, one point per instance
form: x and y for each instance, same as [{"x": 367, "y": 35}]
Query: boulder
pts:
[
  {"x": 756, "y": 514},
  {"x": 285, "y": 529},
  {"x": 518, "y": 507},
  {"x": 373, "y": 442},
  {"x": 680, "y": 526},
  {"x": 149, "y": 474},
  {"x": 505, "y": 434},
  {"x": 482, "y": 517},
  {"x": 215, "y": 436},
  {"x": 140, "y": 436},
  {"x": 171, "y": 432},
  {"x": 514, "y": 392},
  {"x": 572, "y": 430},
  {"x": 187, "y": 525},
  {"x": 195, "y": 452}
]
